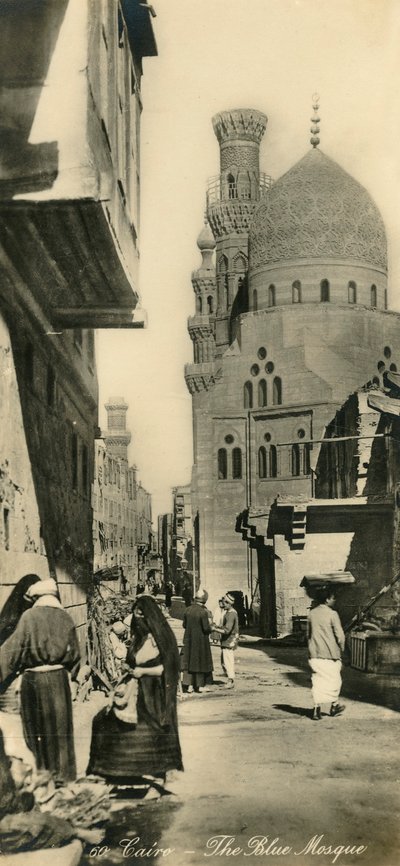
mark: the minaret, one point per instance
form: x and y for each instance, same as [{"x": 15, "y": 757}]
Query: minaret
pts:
[
  {"x": 231, "y": 200},
  {"x": 116, "y": 436},
  {"x": 202, "y": 326}
]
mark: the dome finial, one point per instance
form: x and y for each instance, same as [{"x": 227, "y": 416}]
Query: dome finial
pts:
[{"x": 315, "y": 120}]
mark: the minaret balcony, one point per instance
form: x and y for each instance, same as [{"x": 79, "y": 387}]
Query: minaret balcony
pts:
[
  {"x": 200, "y": 327},
  {"x": 218, "y": 191},
  {"x": 230, "y": 209},
  {"x": 199, "y": 377}
]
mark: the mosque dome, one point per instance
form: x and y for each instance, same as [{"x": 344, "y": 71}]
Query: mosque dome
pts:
[{"x": 317, "y": 211}]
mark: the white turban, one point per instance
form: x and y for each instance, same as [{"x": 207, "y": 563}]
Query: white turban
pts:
[{"x": 42, "y": 587}]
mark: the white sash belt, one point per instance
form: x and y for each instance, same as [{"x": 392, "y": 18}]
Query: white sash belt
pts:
[{"x": 43, "y": 668}]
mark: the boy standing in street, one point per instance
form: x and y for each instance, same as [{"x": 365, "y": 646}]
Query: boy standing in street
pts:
[{"x": 229, "y": 631}]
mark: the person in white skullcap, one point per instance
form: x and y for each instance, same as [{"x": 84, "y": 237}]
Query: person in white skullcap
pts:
[
  {"x": 229, "y": 631},
  {"x": 43, "y": 648}
]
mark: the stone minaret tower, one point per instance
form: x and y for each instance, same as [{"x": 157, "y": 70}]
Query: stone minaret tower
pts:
[
  {"x": 117, "y": 437},
  {"x": 201, "y": 326},
  {"x": 231, "y": 199}
]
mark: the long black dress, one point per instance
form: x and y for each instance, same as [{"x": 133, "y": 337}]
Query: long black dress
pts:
[{"x": 122, "y": 752}]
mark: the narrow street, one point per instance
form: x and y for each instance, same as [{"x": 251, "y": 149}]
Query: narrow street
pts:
[{"x": 257, "y": 766}]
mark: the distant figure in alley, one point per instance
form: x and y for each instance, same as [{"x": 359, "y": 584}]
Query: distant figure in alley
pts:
[{"x": 326, "y": 642}]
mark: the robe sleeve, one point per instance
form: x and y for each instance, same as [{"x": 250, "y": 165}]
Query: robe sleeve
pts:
[
  {"x": 338, "y": 630},
  {"x": 73, "y": 655},
  {"x": 14, "y": 650},
  {"x": 205, "y": 623}
]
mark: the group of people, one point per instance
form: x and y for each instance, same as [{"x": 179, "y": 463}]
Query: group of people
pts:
[
  {"x": 199, "y": 624},
  {"x": 135, "y": 736}
]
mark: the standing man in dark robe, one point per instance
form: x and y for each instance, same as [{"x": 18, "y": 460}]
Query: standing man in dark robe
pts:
[
  {"x": 197, "y": 665},
  {"x": 43, "y": 648},
  {"x": 187, "y": 595}
]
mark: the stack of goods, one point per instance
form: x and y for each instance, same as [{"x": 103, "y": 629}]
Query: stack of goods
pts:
[
  {"x": 82, "y": 804},
  {"x": 335, "y": 579},
  {"x": 102, "y": 613}
]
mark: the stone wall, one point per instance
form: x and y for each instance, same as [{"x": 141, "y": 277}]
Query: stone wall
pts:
[{"x": 47, "y": 459}]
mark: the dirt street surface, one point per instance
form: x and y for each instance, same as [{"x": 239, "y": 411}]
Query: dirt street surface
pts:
[{"x": 265, "y": 782}]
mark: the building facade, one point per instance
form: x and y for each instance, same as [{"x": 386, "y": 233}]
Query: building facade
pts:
[
  {"x": 121, "y": 507},
  {"x": 69, "y": 188},
  {"x": 165, "y": 522},
  {"x": 182, "y": 554},
  {"x": 290, "y": 321}
]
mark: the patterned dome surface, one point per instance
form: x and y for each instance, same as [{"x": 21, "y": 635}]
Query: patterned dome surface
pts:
[{"x": 314, "y": 210}]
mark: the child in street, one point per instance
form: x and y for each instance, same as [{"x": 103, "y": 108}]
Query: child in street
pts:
[{"x": 229, "y": 631}]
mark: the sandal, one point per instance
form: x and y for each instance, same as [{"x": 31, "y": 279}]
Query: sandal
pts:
[{"x": 337, "y": 709}]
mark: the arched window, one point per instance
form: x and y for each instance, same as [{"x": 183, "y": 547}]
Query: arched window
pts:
[
  {"x": 273, "y": 461},
  {"x": 222, "y": 264},
  {"x": 352, "y": 292},
  {"x": 374, "y": 296},
  {"x": 240, "y": 263},
  {"x": 271, "y": 296},
  {"x": 296, "y": 292},
  {"x": 236, "y": 463},
  {"x": 210, "y": 304},
  {"x": 306, "y": 465},
  {"x": 199, "y": 304},
  {"x": 255, "y": 300},
  {"x": 248, "y": 395},
  {"x": 223, "y": 281},
  {"x": 244, "y": 185},
  {"x": 232, "y": 187},
  {"x": 262, "y": 462},
  {"x": 296, "y": 459},
  {"x": 262, "y": 393},
  {"x": 277, "y": 391},
  {"x": 222, "y": 463},
  {"x": 325, "y": 291}
]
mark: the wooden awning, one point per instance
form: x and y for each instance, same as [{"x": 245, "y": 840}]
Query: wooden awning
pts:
[
  {"x": 113, "y": 573},
  {"x": 65, "y": 256}
]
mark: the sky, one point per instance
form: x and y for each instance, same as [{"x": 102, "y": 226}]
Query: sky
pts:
[{"x": 271, "y": 55}]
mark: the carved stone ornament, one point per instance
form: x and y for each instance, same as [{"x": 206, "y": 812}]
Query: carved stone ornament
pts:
[
  {"x": 316, "y": 209},
  {"x": 243, "y": 123},
  {"x": 230, "y": 216},
  {"x": 201, "y": 382}
]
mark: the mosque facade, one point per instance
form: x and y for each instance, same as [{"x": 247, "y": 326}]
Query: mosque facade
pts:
[{"x": 295, "y": 467}]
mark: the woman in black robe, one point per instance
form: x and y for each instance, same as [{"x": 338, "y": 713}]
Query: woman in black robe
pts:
[
  {"x": 15, "y": 606},
  {"x": 126, "y": 752},
  {"x": 10, "y": 615}
]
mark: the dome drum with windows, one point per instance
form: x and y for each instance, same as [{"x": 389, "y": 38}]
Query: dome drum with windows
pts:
[{"x": 317, "y": 236}]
